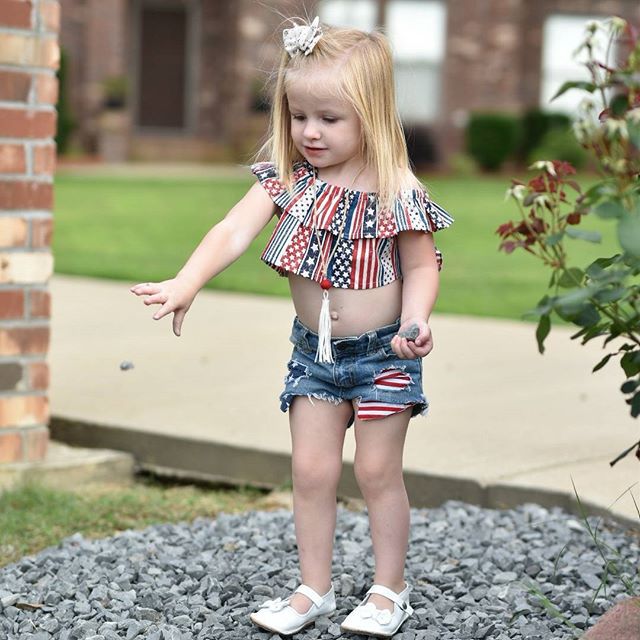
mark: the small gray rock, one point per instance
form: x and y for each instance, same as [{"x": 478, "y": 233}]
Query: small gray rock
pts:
[{"x": 411, "y": 333}]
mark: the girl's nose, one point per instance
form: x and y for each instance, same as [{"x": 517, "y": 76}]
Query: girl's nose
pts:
[{"x": 311, "y": 131}]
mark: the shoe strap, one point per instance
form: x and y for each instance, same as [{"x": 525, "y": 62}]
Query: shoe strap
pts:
[
  {"x": 311, "y": 594},
  {"x": 392, "y": 595}
]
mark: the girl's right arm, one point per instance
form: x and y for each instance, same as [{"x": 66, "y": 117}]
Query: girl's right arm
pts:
[{"x": 222, "y": 245}]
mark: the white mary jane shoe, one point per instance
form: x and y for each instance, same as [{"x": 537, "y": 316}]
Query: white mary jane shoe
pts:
[
  {"x": 280, "y": 617},
  {"x": 367, "y": 619}
]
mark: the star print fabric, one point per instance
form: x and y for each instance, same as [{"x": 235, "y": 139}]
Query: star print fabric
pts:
[{"x": 367, "y": 253}]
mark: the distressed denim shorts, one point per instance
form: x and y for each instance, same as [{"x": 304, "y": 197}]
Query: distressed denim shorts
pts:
[{"x": 365, "y": 369}]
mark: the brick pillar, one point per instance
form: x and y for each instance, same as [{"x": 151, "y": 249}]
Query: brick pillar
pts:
[{"x": 29, "y": 56}]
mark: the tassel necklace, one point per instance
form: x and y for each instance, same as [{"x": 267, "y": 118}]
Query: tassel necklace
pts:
[{"x": 323, "y": 353}]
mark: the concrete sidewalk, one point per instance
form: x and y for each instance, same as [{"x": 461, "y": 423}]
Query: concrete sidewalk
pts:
[{"x": 506, "y": 425}]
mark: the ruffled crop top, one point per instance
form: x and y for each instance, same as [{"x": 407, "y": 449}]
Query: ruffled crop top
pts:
[{"x": 367, "y": 254}]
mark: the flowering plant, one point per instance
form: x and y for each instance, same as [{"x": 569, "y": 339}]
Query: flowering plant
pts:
[{"x": 603, "y": 298}]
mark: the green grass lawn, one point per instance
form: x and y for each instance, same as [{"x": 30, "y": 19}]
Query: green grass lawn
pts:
[
  {"x": 139, "y": 229},
  {"x": 33, "y": 517}
]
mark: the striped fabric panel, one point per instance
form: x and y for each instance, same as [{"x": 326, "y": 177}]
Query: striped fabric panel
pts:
[
  {"x": 392, "y": 379},
  {"x": 369, "y": 246},
  {"x": 374, "y": 410}
]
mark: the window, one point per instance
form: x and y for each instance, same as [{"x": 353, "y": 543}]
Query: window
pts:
[
  {"x": 562, "y": 35},
  {"x": 417, "y": 30},
  {"x": 360, "y": 14}
]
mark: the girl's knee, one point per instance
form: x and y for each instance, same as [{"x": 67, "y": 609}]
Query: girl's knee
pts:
[
  {"x": 375, "y": 473},
  {"x": 311, "y": 474}
]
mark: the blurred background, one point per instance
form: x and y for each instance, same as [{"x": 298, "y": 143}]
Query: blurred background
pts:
[{"x": 186, "y": 80}]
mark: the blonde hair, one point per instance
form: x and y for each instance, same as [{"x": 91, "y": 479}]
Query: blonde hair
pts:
[{"x": 363, "y": 65}]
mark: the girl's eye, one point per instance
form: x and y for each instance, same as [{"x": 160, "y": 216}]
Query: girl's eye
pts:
[
  {"x": 297, "y": 117},
  {"x": 329, "y": 120}
]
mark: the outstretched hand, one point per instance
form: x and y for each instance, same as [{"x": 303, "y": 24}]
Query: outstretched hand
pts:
[
  {"x": 174, "y": 295},
  {"x": 418, "y": 348}
]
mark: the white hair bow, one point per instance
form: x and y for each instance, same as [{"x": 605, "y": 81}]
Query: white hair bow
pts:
[{"x": 302, "y": 38}]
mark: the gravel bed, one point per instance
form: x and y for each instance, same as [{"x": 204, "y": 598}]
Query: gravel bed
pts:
[{"x": 470, "y": 568}]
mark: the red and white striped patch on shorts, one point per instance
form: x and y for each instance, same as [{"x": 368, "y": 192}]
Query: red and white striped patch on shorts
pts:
[
  {"x": 387, "y": 380},
  {"x": 373, "y": 410},
  {"x": 391, "y": 379}
]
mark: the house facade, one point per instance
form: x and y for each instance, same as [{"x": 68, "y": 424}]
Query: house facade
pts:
[{"x": 195, "y": 70}]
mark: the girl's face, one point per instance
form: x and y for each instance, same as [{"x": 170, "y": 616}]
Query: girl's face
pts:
[{"x": 325, "y": 128}]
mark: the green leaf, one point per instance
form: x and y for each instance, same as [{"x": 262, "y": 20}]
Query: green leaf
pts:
[
  {"x": 629, "y": 234},
  {"x": 554, "y": 238},
  {"x": 635, "y": 405},
  {"x": 574, "y": 298},
  {"x": 545, "y": 305},
  {"x": 602, "y": 362},
  {"x": 585, "y": 86},
  {"x": 587, "y": 316},
  {"x": 610, "y": 209},
  {"x": 542, "y": 331},
  {"x": 630, "y": 362},
  {"x": 597, "y": 267},
  {"x": 610, "y": 295},
  {"x": 600, "y": 190},
  {"x": 577, "y": 334},
  {"x": 582, "y": 234},
  {"x": 630, "y": 386},
  {"x": 634, "y": 134},
  {"x": 619, "y": 105},
  {"x": 572, "y": 277}
]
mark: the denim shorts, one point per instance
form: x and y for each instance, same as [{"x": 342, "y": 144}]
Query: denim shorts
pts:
[{"x": 365, "y": 369}]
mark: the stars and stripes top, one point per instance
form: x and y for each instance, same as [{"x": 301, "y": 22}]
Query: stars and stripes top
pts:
[{"x": 367, "y": 254}]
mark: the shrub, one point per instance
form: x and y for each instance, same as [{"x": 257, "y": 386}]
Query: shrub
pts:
[
  {"x": 66, "y": 123},
  {"x": 602, "y": 299},
  {"x": 560, "y": 144},
  {"x": 420, "y": 145},
  {"x": 536, "y": 124},
  {"x": 492, "y": 138}
]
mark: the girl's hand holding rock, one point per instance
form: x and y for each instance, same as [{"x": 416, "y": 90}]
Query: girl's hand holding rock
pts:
[{"x": 413, "y": 340}]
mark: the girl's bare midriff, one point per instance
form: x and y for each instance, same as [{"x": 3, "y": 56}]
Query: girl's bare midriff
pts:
[{"x": 354, "y": 311}]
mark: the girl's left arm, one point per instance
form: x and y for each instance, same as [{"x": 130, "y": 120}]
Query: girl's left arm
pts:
[{"x": 419, "y": 291}]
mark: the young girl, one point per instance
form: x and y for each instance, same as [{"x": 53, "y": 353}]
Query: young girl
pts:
[{"x": 354, "y": 237}]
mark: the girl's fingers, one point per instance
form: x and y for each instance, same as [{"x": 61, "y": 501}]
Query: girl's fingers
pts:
[
  {"x": 142, "y": 286},
  {"x": 178, "y": 317},
  {"x": 407, "y": 351},
  {"x": 158, "y": 298},
  {"x": 401, "y": 348},
  {"x": 163, "y": 310}
]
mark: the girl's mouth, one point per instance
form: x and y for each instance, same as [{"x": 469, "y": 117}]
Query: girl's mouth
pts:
[{"x": 314, "y": 150}]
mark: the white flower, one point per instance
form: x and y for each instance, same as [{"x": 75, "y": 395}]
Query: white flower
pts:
[
  {"x": 542, "y": 199},
  {"x": 615, "y": 128},
  {"x": 545, "y": 165},
  {"x": 585, "y": 130},
  {"x": 517, "y": 191},
  {"x": 302, "y": 38},
  {"x": 586, "y": 104},
  {"x": 617, "y": 24},
  {"x": 634, "y": 115}
]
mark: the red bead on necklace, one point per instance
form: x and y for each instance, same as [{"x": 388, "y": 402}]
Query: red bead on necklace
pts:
[{"x": 325, "y": 283}]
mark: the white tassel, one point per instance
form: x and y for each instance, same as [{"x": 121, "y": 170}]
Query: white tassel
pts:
[{"x": 323, "y": 353}]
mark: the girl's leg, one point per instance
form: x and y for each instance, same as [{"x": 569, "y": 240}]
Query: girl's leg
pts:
[
  {"x": 317, "y": 435},
  {"x": 378, "y": 470}
]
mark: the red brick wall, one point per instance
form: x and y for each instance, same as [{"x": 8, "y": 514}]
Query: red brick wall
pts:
[
  {"x": 494, "y": 55},
  {"x": 29, "y": 56}
]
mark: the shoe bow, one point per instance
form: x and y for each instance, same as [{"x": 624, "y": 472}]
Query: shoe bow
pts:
[
  {"x": 274, "y": 605},
  {"x": 381, "y": 616}
]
